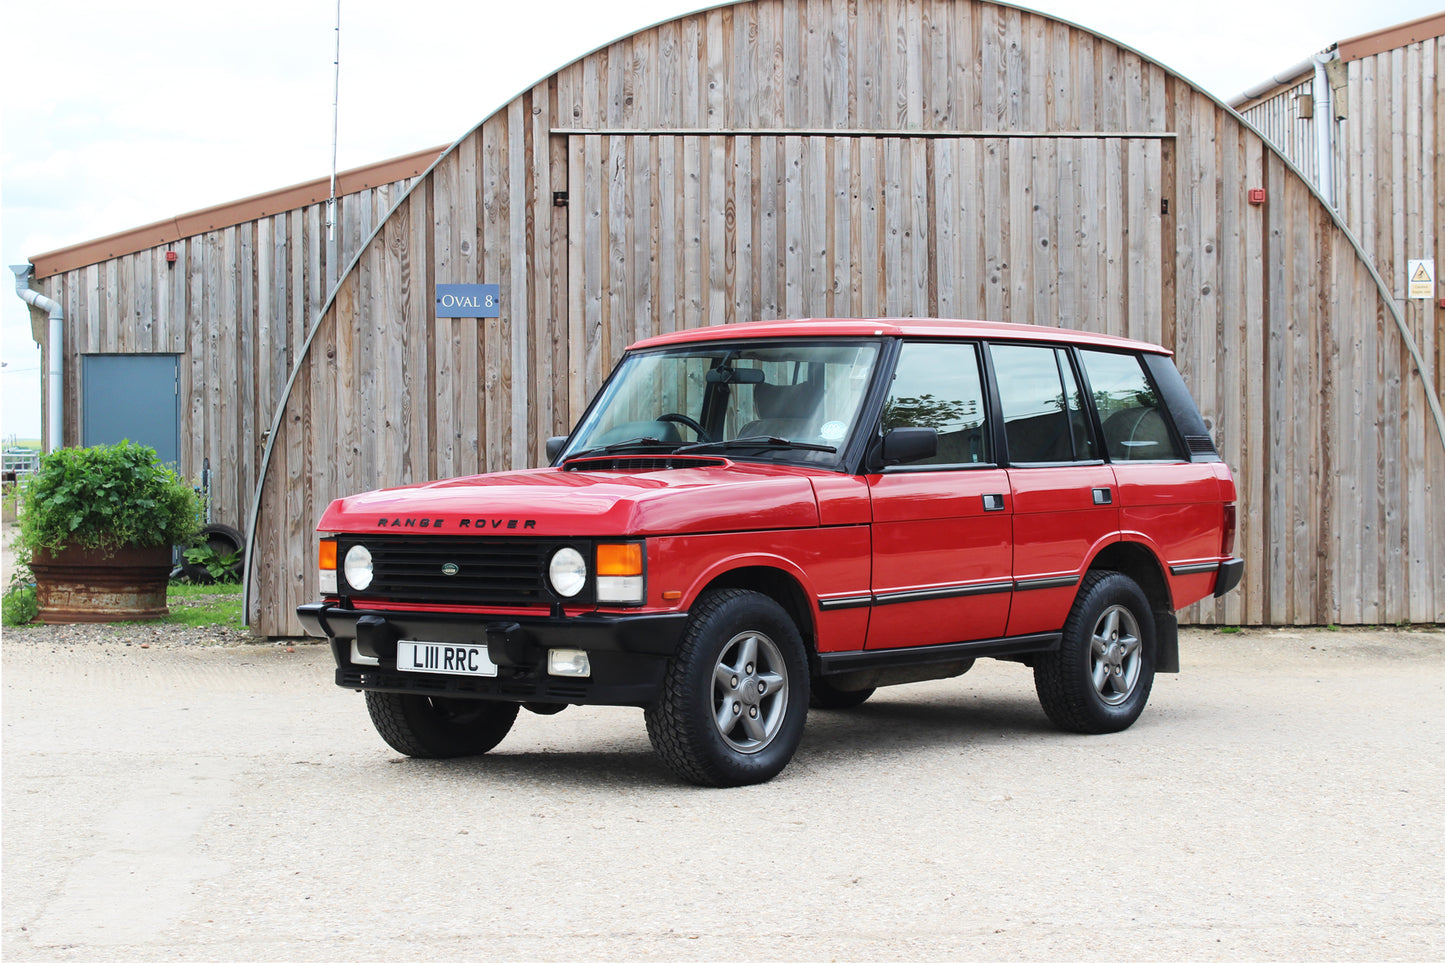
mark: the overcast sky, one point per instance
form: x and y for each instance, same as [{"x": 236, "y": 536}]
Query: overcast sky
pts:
[{"x": 118, "y": 114}]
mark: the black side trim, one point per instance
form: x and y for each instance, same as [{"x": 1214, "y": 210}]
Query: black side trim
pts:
[
  {"x": 839, "y": 661},
  {"x": 844, "y": 603},
  {"x": 913, "y": 596},
  {"x": 1046, "y": 583},
  {"x": 943, "y": 593},
  {"x": 1182, "y": 570}
]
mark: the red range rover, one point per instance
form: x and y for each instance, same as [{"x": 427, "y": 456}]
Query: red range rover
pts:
[{"x": 753, "y": 519}]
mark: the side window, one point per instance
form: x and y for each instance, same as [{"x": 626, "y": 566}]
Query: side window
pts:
[
  {"x": 1043, "y": 410},
  {"x": 1129, "y": 409},
  {"x": 937, "y": 385}
]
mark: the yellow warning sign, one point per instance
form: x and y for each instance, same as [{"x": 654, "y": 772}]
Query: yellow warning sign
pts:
[{"x": 1420, "y": 276}]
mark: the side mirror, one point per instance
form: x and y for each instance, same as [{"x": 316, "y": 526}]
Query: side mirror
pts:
[
  {"x": 554, "y": 447},
  {"x": 908, "y": 444}
]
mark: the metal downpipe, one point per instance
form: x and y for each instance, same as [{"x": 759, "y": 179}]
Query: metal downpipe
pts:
[{"x": 54, "y": 354}]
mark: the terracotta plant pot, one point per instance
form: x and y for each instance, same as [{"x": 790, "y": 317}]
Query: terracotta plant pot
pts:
[{"x": 78, "y": 586}]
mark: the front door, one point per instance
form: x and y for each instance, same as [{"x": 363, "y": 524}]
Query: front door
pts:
[{"x": 941, "y": 526}]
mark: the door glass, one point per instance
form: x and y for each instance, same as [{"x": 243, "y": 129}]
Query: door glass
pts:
[
  {"x": 1079, "y": 427},
  {"x": 1134, "y": 426},
  {"x": 1031, "y": 391},
  {"x": 937, "y": 386}
]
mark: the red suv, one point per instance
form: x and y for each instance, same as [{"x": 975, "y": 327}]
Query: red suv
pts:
[{"x": 753, "y": 519}]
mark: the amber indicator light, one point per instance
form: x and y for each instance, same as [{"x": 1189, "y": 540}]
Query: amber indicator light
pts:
[
  {"x": 328, "y": 555},
  {"x": 619, "y": 559}
]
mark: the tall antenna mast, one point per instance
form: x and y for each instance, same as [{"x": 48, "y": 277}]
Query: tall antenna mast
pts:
[{"x": 335, "y": 114}]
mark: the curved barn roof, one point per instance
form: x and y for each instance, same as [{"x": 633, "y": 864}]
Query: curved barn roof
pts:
[{"x": 777, "y": 158}]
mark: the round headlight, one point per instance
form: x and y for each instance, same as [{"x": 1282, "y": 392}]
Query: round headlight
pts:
[
  {"x": 568, "y": 572},
  {"x": 357, "y": 567}
]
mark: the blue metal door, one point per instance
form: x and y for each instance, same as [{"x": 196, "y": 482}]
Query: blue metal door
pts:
[{"x": 134, "y": 397}]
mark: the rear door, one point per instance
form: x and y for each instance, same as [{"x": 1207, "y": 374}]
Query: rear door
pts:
[
  {"x": 941, "y": 530},
  {"x": 1064, "y": 494},
  {"x": 1165, "y": 501}
]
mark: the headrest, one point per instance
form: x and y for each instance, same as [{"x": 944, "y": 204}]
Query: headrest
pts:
[{"x": 786, "y": 402}]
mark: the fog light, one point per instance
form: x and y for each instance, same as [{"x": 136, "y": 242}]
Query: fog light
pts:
[{"x": 568, "y": 664}]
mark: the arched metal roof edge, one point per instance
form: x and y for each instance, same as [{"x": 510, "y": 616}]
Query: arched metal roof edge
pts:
[{"x": 1431, "y": 394}]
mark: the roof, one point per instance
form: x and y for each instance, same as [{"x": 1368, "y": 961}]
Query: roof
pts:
[
  {"x": 232, "y": 213},
  {"x": 911, "y": 328},
  {"x": 1356, "y": 48},
  {"x": 1388, "y": 38}
]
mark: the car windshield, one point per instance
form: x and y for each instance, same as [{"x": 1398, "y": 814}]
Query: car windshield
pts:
[{"x": 790, "y": 402}]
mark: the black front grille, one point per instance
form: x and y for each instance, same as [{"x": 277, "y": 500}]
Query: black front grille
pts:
[{"x": 449, "y": 570}]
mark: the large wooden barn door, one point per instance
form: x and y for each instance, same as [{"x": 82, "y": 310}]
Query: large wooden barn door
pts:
[{"x": 675, "y": 231}]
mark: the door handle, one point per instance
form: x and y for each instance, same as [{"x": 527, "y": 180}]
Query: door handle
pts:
[
  {"x": 1103, "y": 496},
  {"x": 993, "y": 501}
]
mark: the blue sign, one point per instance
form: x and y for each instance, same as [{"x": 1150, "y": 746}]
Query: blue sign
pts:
[{"x": 469, "y": 301}]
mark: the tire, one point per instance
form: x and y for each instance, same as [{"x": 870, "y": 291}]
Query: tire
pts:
[
  {"x": 222, "y": 539},
  {"x": 1099, "y": 680},
  {"x": 424, "y": 727},
  {"x": 735, "y": 696},
  {"x": 826, "y": 697}
]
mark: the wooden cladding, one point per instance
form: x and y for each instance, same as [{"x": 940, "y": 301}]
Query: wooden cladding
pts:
[
  {"x": 784, "y": 158},
  {"x": 236, "y": 306}
]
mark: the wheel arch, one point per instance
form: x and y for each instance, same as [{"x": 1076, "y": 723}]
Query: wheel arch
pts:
[
  {"x": 1140, "y": 564},
  {"x": 784, "y": 589}
]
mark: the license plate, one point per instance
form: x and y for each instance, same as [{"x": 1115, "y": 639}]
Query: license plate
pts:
[{"x": 434, "y": 658}]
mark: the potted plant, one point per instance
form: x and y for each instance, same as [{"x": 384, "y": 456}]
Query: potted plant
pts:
[{"x": 97, "y": 526}]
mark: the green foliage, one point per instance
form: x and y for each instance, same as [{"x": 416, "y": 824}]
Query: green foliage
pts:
[
  {"x": 103, "y": 498},
  {"x": 928, "y": 412},
  {"x": 206, "y": 606},
  {"x": 1229, "y": 630},
  {"x": 220, "y": 565},
  {"x": 19, "y": 605}
]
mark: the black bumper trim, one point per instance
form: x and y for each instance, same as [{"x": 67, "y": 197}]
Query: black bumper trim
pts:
[
  {"x": 628, "y": 653},
  {"x": 1230, "y": 573},
  {"x": 656, "y": 634}
]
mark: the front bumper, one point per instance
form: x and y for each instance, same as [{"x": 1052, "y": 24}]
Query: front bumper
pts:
[{"x": 628, "y": 653}]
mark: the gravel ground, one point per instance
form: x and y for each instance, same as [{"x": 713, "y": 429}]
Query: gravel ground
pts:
[{"x": 180, "y": 795}]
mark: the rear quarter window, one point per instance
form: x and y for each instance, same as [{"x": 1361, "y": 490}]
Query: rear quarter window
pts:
[{"x": 1134, "y": 422}]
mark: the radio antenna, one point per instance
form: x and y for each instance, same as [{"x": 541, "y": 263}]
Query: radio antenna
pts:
[{"x": 335, "y": 124}]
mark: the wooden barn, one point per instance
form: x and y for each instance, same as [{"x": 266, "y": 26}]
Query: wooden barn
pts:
[
  {"x": 182, "y": 334},
  {"x": 850, "y": 158}
]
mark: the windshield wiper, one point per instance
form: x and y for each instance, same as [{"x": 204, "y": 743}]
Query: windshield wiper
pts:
[
  {"x": 755, "y": 442},
  {"x": 636, "y": 441}
]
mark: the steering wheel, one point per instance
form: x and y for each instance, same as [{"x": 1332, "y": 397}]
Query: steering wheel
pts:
[{"x": 689, "y": 422}]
